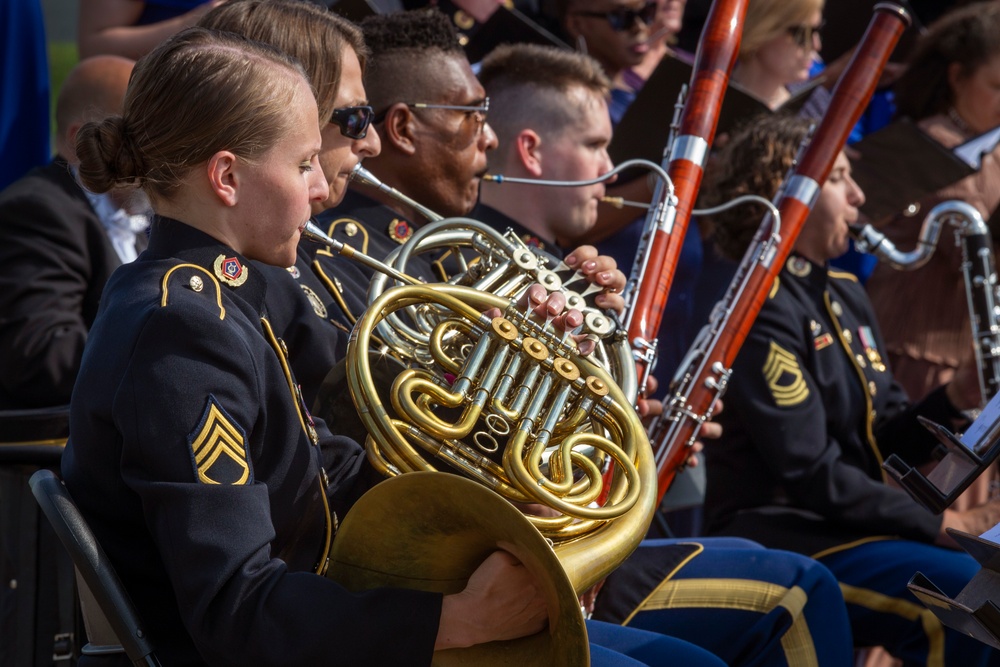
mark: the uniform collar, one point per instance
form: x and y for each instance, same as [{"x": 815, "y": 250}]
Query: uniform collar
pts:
[
  {"x": 802, "y": 271},
  {"x": 501, "y": 222},
  {"x": 376, "y": 216},
  {"x": 175, "y": 239}
]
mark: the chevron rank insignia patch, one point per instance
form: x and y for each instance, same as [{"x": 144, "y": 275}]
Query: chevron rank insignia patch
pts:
[
  {"x": 219, "y": 449},
  {"x": 784, "y": 377}
]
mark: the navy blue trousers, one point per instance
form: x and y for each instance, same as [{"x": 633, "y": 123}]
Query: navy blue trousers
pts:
[
  {"x": 873, "y": 576},
  {"x": 748, "y": 605},
  {"x": 616, "y": 646}
]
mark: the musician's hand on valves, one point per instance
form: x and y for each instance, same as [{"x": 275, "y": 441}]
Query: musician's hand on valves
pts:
[
  {"x": 975, "y": 520},
  {"x": 501, "y": 601},
  {"x": 600, "y": 270},
  {"x": 551, "y": 308}
]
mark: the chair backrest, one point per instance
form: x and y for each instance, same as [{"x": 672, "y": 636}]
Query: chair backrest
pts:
[
  {"x": 98, "y": 580},
  {"x": 35, "y": 437}
]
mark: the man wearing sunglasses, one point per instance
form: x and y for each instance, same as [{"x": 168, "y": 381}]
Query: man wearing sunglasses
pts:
[{"x": 552, "y": 123}]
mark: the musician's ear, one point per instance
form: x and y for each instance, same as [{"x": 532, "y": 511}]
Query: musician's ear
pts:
[
  {"x": 528, "y": 145},
  {"x": 398, "y": 129},
  {"x": 955, "y": 77}
]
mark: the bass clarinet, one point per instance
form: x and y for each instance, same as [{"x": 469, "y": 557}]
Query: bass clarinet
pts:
[
  {"x": 704, "y": 373},
  {"x": 978, "y": 269}
]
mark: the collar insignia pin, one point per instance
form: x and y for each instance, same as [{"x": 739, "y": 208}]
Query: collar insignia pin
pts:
[
  {"x": 799, "y": 267},
  {"x": 400, "y": 231},
  {"x": 230, "y": 271}
]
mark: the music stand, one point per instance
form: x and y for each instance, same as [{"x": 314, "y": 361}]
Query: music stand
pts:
[
  {"x": 973, "y": 611},
  {"x": 963, "y": 460}
]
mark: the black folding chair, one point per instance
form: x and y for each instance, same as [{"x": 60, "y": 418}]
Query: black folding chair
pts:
[
  {"x": 38, "y": 609},
  {"x": 112, "y": 623}
]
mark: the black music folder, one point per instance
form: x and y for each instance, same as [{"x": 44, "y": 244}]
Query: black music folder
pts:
[
  {"x": 643, "y": 131},
  {"x": 899, "y": 165},
  {"x": 507, "y": 25}
]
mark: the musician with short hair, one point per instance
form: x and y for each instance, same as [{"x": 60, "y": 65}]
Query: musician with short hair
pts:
[
  {"x": 551, "y": 118},
  {"x": 812, "y": 410}
]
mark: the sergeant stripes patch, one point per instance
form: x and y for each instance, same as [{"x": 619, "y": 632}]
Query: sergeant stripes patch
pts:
[
  {"x": 218, "y": 448},
  {"x": 784, "y": 377}
]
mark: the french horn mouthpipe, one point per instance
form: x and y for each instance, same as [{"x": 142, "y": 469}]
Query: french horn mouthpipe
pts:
[
  {"x": 361, "y": 175},
  {"x": 313, "y": 233}
]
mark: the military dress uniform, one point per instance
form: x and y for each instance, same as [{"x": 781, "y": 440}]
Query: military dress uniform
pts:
[
  {"x": 747, "y": 604},
  {"x": 811, "y": 411},
  {"x": 372, "y": 228},
  {"x": 196, "y": 464}
]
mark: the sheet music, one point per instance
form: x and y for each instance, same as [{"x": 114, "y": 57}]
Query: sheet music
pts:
[
  {"x": 971, "y": 152},
  {"x": 993, "y": 534}
]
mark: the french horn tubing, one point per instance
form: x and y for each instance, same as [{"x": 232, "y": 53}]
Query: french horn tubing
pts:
[{"x": 502, "y": 264}]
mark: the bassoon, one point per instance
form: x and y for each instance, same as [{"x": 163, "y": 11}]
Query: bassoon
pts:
[
  {"x": 704, "y": 373},
  {"x": 667, "y": 222}
]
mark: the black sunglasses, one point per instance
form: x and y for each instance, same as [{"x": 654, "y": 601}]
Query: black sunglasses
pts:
[
  {"x": 802, "y": 35},
  {"x": 353, "y": 121},
  {"x": 623, "y": 18}
]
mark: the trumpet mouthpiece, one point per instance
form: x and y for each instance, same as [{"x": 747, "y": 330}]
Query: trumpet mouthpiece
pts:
[{"x": 493, "y": 178}]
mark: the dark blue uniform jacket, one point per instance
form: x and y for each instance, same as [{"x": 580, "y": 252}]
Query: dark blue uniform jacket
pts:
[
  {"x": 811, "y": 412},
  {"x": 200, "y": 472}
]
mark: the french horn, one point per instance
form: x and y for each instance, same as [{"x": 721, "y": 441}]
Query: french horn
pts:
[{"x": 508, "y": 402}]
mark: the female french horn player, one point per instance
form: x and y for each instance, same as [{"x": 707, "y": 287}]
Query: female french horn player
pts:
[{"x": 811, "y": 410}]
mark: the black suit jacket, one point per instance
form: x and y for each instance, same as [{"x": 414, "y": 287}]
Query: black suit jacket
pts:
[{"x": 55, "y": 259}]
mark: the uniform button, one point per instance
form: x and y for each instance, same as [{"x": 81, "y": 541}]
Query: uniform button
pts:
[
  {"x": 196, "y": 283},
  {"x": 873, "y": 415},
  {"x": 847, "y": 336},
  {"x": 861, "y": 360},
  {"x": 351, "y": 229},
  {"x": 338, "y": 284},
  {"x": 837, "y": 310},
  {"x": 283, "y": 346},
  {"x": 871, "y": 387}
]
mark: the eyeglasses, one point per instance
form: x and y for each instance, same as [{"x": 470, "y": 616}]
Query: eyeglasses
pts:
[
  {"x": 479, "y": 111},
  {"x": 353, "y": 121},
  {"x": 802, "y": 35},
  {"x": 624, "y": 18}
]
